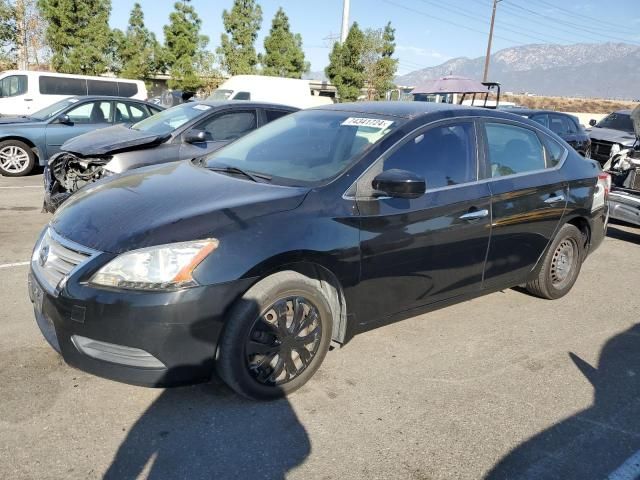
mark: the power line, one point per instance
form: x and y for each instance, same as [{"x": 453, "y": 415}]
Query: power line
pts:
[
  {"x": 564, "y": 23},
  {"x": 597, "y": 21},
  {"x": 450, "y": 22}
]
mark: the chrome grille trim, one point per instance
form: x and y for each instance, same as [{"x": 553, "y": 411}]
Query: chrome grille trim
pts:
[{"x": 59, "y": 261}]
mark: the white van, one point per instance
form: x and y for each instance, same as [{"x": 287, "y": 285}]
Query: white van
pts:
[
  {"x": 23, "y": 92},
  {"x": 285, "y": 91}
]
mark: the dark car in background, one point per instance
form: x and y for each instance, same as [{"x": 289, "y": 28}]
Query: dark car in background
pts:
[
  {"x": 564, "y": 125},
  {"x": 31, "y": 139},
  {"x": 188, "y": 130},
  {"x": 611, "y": 135},
  {"x": 318, "y": 226}
]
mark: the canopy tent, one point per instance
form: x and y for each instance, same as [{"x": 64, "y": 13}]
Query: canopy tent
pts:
[{"x": 454, "y": 84}]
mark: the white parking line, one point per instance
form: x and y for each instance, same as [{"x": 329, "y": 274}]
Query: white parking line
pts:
[
  {"x": 629, "y": 470},
  {"x": 23, "y": 186},
  {"x": 16, "y": 264}
]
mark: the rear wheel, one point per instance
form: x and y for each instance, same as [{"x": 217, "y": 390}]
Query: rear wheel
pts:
[
  {"x": 16, "y": 158},
  {"x": 560, "y": 266},
  {"x": 276, "y": 337}
]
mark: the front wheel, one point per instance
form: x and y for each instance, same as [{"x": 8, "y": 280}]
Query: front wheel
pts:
[
  {"x": 276, "y": 337},
  {"x": 16, "y": 158},
  {"x": 561, "y": 265}
]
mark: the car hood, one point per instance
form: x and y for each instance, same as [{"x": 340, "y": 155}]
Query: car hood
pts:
[
  {"x": 118, "y": 138},
  {"x": 167, "y": 203},
  {"x": 13, "y": 120},
  {"x": 610, "y": 135}
]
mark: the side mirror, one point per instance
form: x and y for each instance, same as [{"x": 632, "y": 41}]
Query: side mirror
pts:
[
  {"x": 592, "y": 122},
  {"x": 400, "y": 184},
  {"x": 64, "y": 118},
  {"x": 195, "y": 136}
]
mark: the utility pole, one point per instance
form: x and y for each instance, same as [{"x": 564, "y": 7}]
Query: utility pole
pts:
[
  {"x": 345, "y": 20},
  {"x": 486, "y": 60}
]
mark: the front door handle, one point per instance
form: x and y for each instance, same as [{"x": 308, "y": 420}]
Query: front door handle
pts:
[
  {"x": 555, "y": 199},
  {"x": 28, "y": 99},
  {"x": 475, "y": 215}
]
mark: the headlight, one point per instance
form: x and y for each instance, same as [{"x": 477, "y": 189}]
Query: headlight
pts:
[
  {"x": 165, "y": 267},
  {"x": 615, "y": 148}
]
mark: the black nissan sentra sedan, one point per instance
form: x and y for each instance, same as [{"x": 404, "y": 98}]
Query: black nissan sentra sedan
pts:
[{"x": 316, "y": 227}]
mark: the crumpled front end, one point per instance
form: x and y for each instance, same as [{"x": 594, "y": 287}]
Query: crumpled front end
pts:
[{"x": 67, "y": 173}]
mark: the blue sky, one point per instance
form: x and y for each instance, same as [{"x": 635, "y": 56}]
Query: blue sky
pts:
[{"x": 428, "y": 32}]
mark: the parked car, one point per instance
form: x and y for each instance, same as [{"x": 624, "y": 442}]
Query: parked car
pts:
[
  {"x": 286, "y": 91},
  {"x": 318, "y": 226},
  {"x": 624, "y": 168},
  {"x": 564, "y": 125},
  {"x": 611, "y": 134},
  {"x": 30, "y": 139},
  {"x": 23, "y": 92},
  {"x": 185, "y": 131}
]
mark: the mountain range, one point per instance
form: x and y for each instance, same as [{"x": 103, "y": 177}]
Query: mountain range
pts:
[{"x": 604, "y": 70}]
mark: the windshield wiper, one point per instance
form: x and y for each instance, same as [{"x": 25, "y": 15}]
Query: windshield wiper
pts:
[{"x": 256, "y": 177}]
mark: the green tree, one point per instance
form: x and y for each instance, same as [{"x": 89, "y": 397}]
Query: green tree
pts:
[
  {"x": 237, "y": 52},
  {"x": 78, "y": 34},
  {"x": 8, "y": 32},
  {"x": 346, "y": 67},
  {"x": 183, "y": 46},
  {"x": 283, "y": 56},
  {"x": 138, "y": 53},
  {"x": 379, "y": 66}
]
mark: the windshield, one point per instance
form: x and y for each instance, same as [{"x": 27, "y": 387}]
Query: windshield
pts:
[
  {"x": 220, "y": 94},
  {"x": 168, "y": 120},
  {"x": 307, "y": 147},
  {"x": 52, "y": 110},
  {"x": 617, "y": 121}
]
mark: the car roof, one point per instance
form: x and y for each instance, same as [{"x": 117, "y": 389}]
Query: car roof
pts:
[
  {"x": 626, "y": 111},
  {"x": 110, "y": 97},
  {"x": 535, "y": 111},
  {"x": 242, "y": 104}
]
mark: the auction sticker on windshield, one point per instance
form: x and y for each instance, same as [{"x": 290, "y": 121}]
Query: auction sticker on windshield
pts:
[
  {"x": 367, "y": 122},
  {"x": 201, "y": 107}
]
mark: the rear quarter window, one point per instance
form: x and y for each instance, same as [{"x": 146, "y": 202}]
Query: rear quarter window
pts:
[
  {"x": 127, "y": 89},
  {"x": 102, "y": 87}
]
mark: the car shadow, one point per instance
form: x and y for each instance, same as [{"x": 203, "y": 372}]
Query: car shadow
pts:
[
  {"x": 614, "y": 231},
  {"x": 207, "y": 431},
  {"x": 594, "y": 442}
]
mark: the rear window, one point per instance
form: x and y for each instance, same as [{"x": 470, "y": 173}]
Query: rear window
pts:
[
  {"x": 102, "y": 87},
  {"x": 127, "y": 89},
  {"x": 242, "y": 96},
  {"x": 62, "y": 86}
]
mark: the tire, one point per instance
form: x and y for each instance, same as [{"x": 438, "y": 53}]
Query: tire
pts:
[
  {"x": 16, "y": 158},
  {"x": 560, "y": 267},
  {"x": 254, "y": 325}
]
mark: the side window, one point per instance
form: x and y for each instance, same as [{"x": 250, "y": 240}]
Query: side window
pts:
[
  {"x": 569, "y": 126},
  {"x": 242, "y": 96},
  {"x": 557, "y": 125},
  {"x": 138, "y": 112},
  {"x": 13, "y": 85},
  {"x": 102, "y": 87},
  {"x": 122, "y": 113},
  {"x": 443, "y": 155},
  {"x": 513, "y": 149},
  {"x": 126, "y": 89},
  {"x": 62, "y": 85},
  {"x": 91, "y": 113},
  {"x": 229, "y": 126},
  {"x": 541, "y": 119},
  {"x": 275, "y": 114},
  {"x": 554, "y": 151}
]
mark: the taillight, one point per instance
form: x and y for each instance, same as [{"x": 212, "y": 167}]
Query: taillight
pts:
[{"x": 604, "y": 180}]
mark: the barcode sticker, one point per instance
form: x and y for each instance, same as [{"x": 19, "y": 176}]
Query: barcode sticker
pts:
[{"x": 367, "y": 122}]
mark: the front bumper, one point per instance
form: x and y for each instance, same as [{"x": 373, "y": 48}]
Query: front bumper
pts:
[
  {"x": 624, "y": 205},
  {"x": 180, "y": 330}
]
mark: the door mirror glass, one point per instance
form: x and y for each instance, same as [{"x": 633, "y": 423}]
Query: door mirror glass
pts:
[
  {"x": 399, "y": 184},
  {"x": 592, "y": 122},
  {"x": 195, "y": 136},
  {"x": 64, "y": 118}
]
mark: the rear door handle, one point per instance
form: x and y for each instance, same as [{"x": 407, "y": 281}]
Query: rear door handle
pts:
[
  {"x": 28, "y": 99},
  {"x": 556, "y": 199},
  {"x": 475, "y": 215}
]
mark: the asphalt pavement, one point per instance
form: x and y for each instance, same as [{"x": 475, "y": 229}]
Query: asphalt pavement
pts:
[{"x": 503, "y": 386}]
